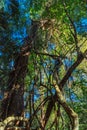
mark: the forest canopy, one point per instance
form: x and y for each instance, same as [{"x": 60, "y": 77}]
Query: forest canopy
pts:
[{"x": 43, "y": 63}]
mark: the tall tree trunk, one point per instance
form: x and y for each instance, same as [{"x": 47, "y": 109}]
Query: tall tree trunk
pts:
[{"x": 13, "y": 103}]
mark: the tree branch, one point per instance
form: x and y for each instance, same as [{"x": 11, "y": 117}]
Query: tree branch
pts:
[
  {"x": 72, "y": 115},
  {"x": 71, "y": 69}
]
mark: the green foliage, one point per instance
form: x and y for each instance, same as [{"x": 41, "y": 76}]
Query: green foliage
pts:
[{"x": 55, "y": 38}]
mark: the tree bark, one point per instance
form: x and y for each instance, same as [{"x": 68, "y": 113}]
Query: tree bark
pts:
[
  {"x": 72, "y": 115},
  {"x": 13, "y": 103}
]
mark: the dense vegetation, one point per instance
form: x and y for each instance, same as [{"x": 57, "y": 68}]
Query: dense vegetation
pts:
[{"x": 43, "y": 68}]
